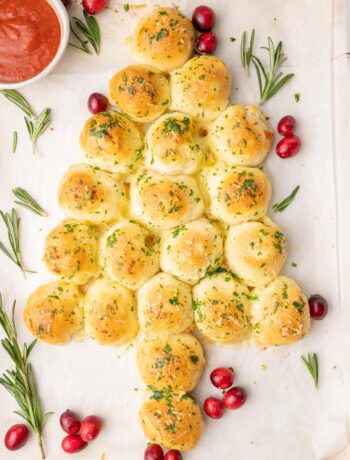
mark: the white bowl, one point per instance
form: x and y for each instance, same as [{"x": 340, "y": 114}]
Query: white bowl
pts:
[{"x": 63, "y": 17}]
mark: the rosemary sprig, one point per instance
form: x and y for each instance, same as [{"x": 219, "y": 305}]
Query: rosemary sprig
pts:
[
  {"x": 90, "y": 33},
  {"x": 27, "y": 201},
  {"x": 270, "y": 81},
  {"x": 36, "y": 125},
  {"x": 14, "y": 141},
  {"x": 12, "y": 222},
  {"x": 20, "y": 382},
  {"x": 312, "y": 365},
  {"x": 247, "y": 53},
  {"x": 279, "y": 207}
]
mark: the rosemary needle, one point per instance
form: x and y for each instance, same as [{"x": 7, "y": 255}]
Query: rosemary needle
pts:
[
  {"x": 16, "y": 98},
  {"x": 247, "y": 53},
  {"x": 311, "y": 362},
  {"x": 14, "y": 141},
  {"x": 271, "y": 80},
  {"x": 279, "y": 207},
  {"x": 20, "y": 382},
  {"x": 12, "y": 223},
  {"x": 27, "y": 201}
]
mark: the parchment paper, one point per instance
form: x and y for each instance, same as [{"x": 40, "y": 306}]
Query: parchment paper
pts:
[{"x": 285, "y": 417}]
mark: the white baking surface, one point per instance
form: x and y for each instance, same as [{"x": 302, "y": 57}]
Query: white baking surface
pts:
[{"x": 284, "y": 417}]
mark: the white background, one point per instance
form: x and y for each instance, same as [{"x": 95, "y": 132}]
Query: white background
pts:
[{"x": 284, "y": 417}]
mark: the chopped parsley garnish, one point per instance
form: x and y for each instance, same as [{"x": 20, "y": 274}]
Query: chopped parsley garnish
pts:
[
  {"x": 69, "y": 228},
  {"x": 178, "y": 230},
  {"x": 194, "y": 359},
  {"x": 168, "y": 348},
  {"x": 299, "y": 306},
  {"x": 171, "y": 125},
  {"x": 279, "y": 237},
  {"x": 174, "y": 301}
]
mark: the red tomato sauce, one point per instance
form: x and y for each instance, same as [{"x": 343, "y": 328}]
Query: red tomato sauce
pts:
[{"x": 30, "y": 34}]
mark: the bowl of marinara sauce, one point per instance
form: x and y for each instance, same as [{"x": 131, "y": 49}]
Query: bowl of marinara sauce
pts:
[{"x": 33, "y": 37}]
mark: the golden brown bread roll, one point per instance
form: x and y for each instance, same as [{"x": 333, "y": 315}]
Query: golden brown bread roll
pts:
[
  {"x": 164, "y": 305},
  {"x": 173, "y": 145},
  {"x": 201, "y": 88},
  {"x": 280, "y": 313},
  {"x": 52, "y": 312},
  {"x": 140, "y": 91},
  {"x": 125, "y": 255},
  {"x": 163, "y": 38},
  {"x": 171, "y": 420},
  {"x": 86, "y": 193},
  {"x": 237, "y": 194},
  {"x": 110, "y": 313},
  {"x": 256, "y": 252},
  {"x": 165, "y": 201},
  {"x": 222, "y": 308},
  {"x": 112, "y": 142},
  {"x": 190, "y": 250},
  {"x": 173, "y": 361},
  {"x": 71, "y": 251},
  {"x": 241, "y": 135}
]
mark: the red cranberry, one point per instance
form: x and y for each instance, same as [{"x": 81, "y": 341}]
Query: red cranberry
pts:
[
  {"x": 90, "y": 428},
  {"x": 206, "y": 43},
  {"x": 94, "y": 6},
  {"x": 154, "y": 452},
  {"x": 222, "y": 378},
  {"x": 203, "y": 18},
  {"x": 286, "y": 126},
  {"x": 173, "y": 455},
  {"x": 73, "y": 443},
  {"x": 213, "y": 408},
  {"x": 234, "y": 398},
  {"x": 16, "y": 437},
  {"x": 97, "y": 103},
  {"x": 318, "y": 306},
  {"x": 70, "y": 422},
  {"x": 288, "y": 146}
]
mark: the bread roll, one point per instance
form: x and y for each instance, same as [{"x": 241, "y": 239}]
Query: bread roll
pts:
[
  {"x": 71, "y": 251},
  {"x": 256, "y": 252},
  {"x": 173, "y": 145},
  {"x": 172, "y": 420},
  {"x": 126, "y": 257},
  {"x": 112, "y": 142},
  {"x": 164, "y": 305},
  {"x": 237, "y": 194},
  {"x": 222, "y": 308},
  {"x": 163, "y": 38},
  {"x": 173, "y": 361},
  {"x": 52, "y": 312},
  {"x": 280, "y": 313},
  {"x": 86, "y": 193},
  {"x": 201, "y": 88},
  {"x": 165, "y": 201},
  {"x": 241, "y": 136},
  {"x": 110, "y": 313},
  {"x": 140, "y": 91},
  {"x": 190, "y": 250}
]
